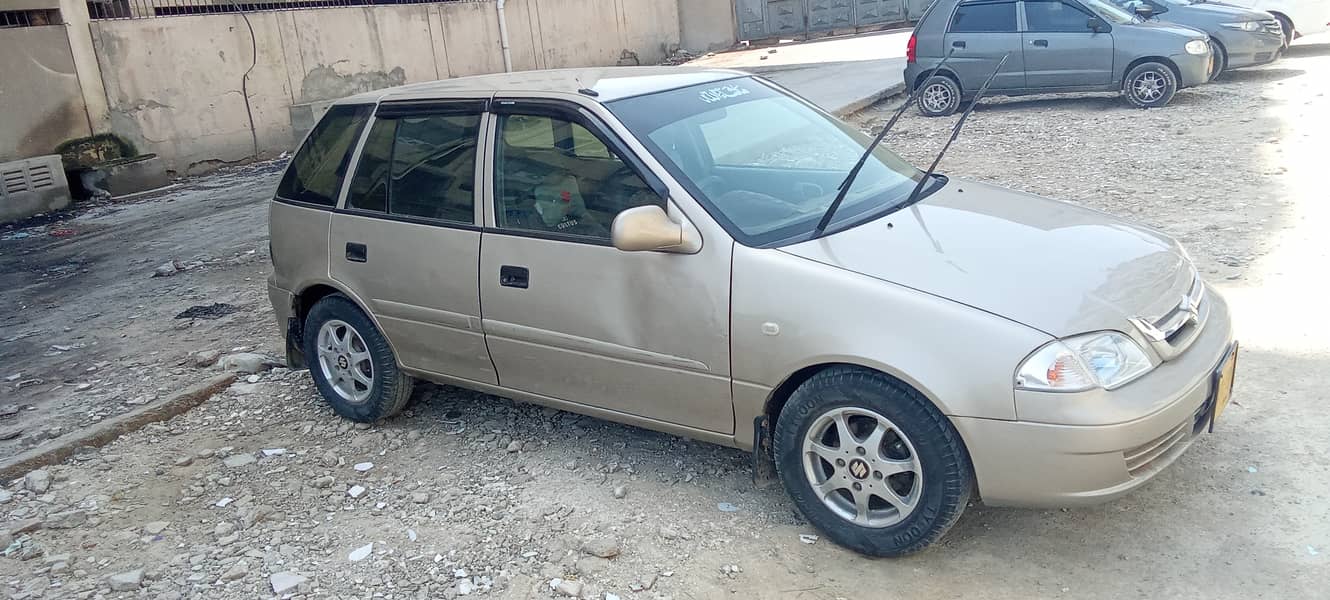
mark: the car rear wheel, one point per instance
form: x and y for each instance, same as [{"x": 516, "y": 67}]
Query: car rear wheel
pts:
[
  {"x": 1220, "y": 62},
  {"x": 939, "y": 97},
  {"x": 1149, "y": 85},
  {"x": 870, "y": 462},
  {"x": 352, "y": 364}
]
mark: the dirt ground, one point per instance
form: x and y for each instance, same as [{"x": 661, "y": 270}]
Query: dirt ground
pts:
[{"x": 466, "y": 494}]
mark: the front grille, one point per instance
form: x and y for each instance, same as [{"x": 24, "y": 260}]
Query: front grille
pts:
[
  {"x": 1272, "y": 26},
  {"x": 1174, "y": 331},
  {"x": 1141, "y": 459}
]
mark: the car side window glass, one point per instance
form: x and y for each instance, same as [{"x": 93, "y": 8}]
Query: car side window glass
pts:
[
  {"x": 987, "y": 17},
  {"x": 1045, "y": 16},
  {"x": 434, "y": 167},
  {"x": 553, "y": 175},
  {"x": 369, "y": 186},
  {"x": 316, "y": 171}
]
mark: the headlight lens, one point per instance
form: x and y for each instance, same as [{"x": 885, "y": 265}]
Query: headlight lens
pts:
[
  {"x": 1245, "y": 25},
  {"x": 1106, "y": 359},
  {"x": 1197, "y": 47}
]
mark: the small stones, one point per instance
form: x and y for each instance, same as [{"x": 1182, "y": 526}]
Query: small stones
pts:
[
  {"x": 184, "y": 461},
  {"x": 247, "y": 362},
  {"x": 602, "y": 547},
  {"x": 156, "y": 527},
  {"x": 286, "y": 581},
  {"x": 205, "y": 453},
  {"x": 364, "y": 466},
  {"x": 68, "y": 519},
  {"x": 620, "y": 492},
  {"x": 323, "y": 482},
  {"x": 224, "y": 529},
  {"x": 361, "y": 553},
  {"x": 356, "y": 491},
  {"x": 514, "y": 446},
  {"x": 127, "y": 581},
  {"x": 237, "y": 571},
  {"x": 37, "y": 481},
  {"x": 239, "y": 460},
  {"x": 571, "y": 589},
  {"x": 420, "y": 497}
]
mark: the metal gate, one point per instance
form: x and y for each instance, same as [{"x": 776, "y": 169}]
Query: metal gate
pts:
[{"x": 759, "y": 19}]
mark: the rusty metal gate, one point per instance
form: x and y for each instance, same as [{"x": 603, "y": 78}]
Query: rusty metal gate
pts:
[{"x": 759, "y": 19}]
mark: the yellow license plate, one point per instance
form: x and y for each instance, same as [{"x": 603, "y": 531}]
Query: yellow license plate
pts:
[{"x": 1224, "y": 384}]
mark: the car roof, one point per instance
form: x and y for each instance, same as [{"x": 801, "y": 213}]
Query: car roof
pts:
[{"x": 610, "y": 83}]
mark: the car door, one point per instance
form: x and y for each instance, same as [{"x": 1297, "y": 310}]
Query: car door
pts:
[
  {"x": 407, "y": 239},
  {"x": 567, "y": 315},
  {"x": 1061, "y": 48},
  {"x": 979, "y": 34}
]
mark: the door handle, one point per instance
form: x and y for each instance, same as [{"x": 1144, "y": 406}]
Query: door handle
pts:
[
  {"x": 515, "y": 277},
  {"x": 356, "y": 252},
  {"x": 1040, "y": 43},
  {"x": 958, "y": 44}
]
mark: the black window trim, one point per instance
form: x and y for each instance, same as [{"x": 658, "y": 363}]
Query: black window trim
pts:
[
  {"x": 575, "y": 113},
  {"x": 1017, "y": 5},
  {"x": 1023, "y": 19},
  {"x": 350, "y": 156}
]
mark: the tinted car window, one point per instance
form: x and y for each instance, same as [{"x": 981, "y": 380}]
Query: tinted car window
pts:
[
  {"x": 316, "y": 171},
  {"x": 553, "y": 175},
  {"x": 987, "y": 17},
  {"x": 434, "y": 167},
  {"x": 1052, "y": 17},
  {"x": 369, "y": 187}
]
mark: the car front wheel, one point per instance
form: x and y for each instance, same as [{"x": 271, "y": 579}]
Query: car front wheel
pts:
[
  {"x": 352, "y": 364},
  {"x": 870, "y": 462},
  {"x": 1149, "y": 85}
]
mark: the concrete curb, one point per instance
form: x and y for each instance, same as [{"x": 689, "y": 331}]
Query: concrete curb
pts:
[
  {"x": 105, "y": 432},
  {"x": 850, "y": 109}
]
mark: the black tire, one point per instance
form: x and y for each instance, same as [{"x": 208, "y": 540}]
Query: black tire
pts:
[
  {"x": 390, "y": 389},
  {"x": 947, "y": 476},
  {"x": 1220, "y": 63},
  {"x": 1149, "y": 85},
  {"x": 1287, "y": 27},
  {"x": 939, "y": 96}
]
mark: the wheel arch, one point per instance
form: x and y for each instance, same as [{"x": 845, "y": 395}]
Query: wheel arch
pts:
[
  {"x": 1172, "y": 66},
  {"x": 918, "y": 81},
  {"x": 303, "y": 299}
]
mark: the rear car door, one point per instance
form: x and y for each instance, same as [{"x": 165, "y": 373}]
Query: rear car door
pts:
[
  {"x": 407, "y": 239},
  {"x": 569, "y": 316},
  {"x": 979, "y": 34},
  {"x": 1061, "y": 49}
]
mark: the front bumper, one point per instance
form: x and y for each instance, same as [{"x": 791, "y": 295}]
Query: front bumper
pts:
[
  {"x": 1024, "y": 463},
  {"x": 1194, "y": 69},
  {"x": 1249, "y": 49}
]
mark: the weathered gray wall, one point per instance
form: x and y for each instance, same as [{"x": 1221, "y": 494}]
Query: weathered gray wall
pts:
[
  {"x": 40, "y": 101},
  {"x": 706, "y": 25},
  {"x": 174, "y": 84}
]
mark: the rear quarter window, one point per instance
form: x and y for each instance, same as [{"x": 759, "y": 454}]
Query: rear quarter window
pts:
[{"x": 316, "y": 171}]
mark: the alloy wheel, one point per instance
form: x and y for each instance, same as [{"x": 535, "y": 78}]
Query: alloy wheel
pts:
[
  {"x": 862, "y": 467},
  {"x": 1149, "y": 86},
  {"x": 345, "y": 361},
  {"x": 937, "y": 97}
]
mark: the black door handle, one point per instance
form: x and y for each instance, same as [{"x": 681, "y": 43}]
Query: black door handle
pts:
[
  {"x": 356, "y": 252},
  {"x": 958, "y": 44},
  {"x": 516, "y": 277},
  {"x": 1040, "y": 43}
]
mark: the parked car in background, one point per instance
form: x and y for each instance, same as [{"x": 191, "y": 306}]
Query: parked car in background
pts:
[
  {"x": 1298, "y": 17},
  {"x": 1239, "y": 37},
  {"x": 658, "y": 246},
  {"x": 1052, "y": 46}
]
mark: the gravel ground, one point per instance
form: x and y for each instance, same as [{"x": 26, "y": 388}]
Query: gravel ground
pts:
[{"x": 263, "y": 492}]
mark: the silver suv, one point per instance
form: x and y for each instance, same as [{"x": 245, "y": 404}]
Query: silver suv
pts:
[
  {"x": 1051, "y": 46},
  {"x": 657, "y": 247}
]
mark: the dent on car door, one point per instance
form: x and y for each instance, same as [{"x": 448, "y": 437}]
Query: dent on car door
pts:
[
  {"x": 979, "y": 34},
  {"x": 1062, "y": 49},
  {"x": 408, "y": 243},
  {"x": 570, "y": 317}
]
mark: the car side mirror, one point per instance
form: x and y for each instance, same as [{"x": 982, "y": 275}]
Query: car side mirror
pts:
[
  {"x": 1144, "y": 11},
  {"x": 1096, "y": 24},
  {"x": 648, "y": 228}
]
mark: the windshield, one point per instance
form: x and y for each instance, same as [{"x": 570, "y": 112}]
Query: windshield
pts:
[
  {"x": 1109, "y": 11},
  {"x": 765, "y": 164}
]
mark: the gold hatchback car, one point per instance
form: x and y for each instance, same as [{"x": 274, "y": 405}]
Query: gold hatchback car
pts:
[{"x": 653, "y": 246}]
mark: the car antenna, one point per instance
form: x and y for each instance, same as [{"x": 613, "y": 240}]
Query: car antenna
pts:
[
  {"x": 955, "y": 131},
  {"x": 844, "y": 188}
]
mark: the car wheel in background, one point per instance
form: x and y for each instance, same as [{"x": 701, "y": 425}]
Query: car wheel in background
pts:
[
  {"x": 1220, "y": 62},
  {"x": 939, "y": 96},
  {"x": 351, "y": 362},
  {"x": 1149, "y": 85},
  {"x": 1287, "y": 26},
  {"x": 870, "y": 462}
]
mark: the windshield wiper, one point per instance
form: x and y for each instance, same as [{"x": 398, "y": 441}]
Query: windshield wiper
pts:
[
  {"x": 844, "y": 188},
  {"x": 955, "y": 131}
]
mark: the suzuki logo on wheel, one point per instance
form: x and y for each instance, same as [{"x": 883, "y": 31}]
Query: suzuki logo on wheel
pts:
[
  {"x": 342, "y": 362},
  {"x": 859, "y": 468}
]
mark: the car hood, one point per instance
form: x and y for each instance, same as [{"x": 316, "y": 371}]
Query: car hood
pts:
[
  {"x": 1183, "y": 30},
  {"x": 1053, "y": 266},
  {"x": 1214, "y": 12}
]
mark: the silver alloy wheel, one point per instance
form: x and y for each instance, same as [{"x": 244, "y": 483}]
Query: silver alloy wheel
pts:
[
  {"x": 345, "y": 361},
  {"x": 862, "y": 467},
  {"x": 1149, "y": 86},
  {"x": 937, "y": 97}
]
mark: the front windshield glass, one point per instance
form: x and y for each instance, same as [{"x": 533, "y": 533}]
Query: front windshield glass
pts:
[
  {"x": 1109, "y": 11},
  {"x": 765, "y": 164}
]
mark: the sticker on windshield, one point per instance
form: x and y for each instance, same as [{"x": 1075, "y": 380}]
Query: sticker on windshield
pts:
[{"x": 724, "y": 92}]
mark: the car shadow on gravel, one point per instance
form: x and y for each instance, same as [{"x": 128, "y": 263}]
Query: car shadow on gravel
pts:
[
  {"x": 1258, "y": 75},
  {"x": 1098, "y": 102},
  {"x": 1308, "y": 50}
]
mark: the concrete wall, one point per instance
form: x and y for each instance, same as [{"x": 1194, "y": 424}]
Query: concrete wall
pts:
[
  {"x": 707, "y": 24},
  {"x": 39, "y": 92},
  {"x": 173, "y": 84}
]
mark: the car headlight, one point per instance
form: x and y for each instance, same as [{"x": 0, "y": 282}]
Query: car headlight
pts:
[
  {"x": 1245, "y": 25},
  {"x": 1105, "y": 359},
  {"x": 1197, "y": 47}
]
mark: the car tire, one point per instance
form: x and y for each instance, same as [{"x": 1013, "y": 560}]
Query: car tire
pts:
[
  {"x": 351, "y": 362},
  {"x": 1149, "y": 85},
  {"x": 939, "y": 96},
  {"x": 1287, "y": 28},
  {"x": 1220, "y": 63},
  {"x": 934, "y": 477}
]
